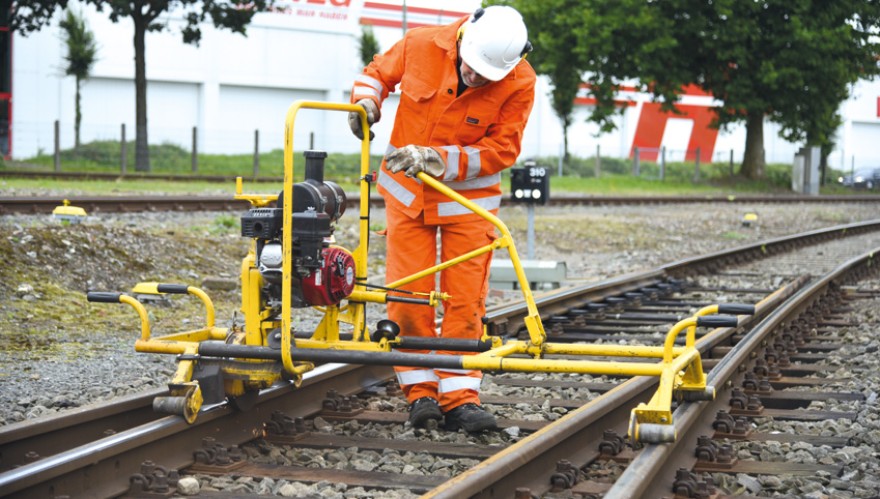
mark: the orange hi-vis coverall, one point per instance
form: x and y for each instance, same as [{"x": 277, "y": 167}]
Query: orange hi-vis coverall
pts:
[{"x": 478, "y": 134}]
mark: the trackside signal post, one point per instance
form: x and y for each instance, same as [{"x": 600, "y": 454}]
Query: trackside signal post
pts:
[{"x": 530, "y": 185}]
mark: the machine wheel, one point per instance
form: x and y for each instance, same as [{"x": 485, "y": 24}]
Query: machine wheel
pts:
[
  {"x": 187, "y": 406},
  {"x": 650, "y": 433},
  {"x": 697, "y": 396}
]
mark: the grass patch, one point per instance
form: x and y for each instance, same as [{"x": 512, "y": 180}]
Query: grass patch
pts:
[
  {"x": 579, "y": 175},
  {"x": 105, "y": 157},
  {"x": 734, "y": 236}
]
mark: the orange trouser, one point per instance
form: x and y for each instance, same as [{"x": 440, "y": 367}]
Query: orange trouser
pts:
[{"x": 411, "y": 247}]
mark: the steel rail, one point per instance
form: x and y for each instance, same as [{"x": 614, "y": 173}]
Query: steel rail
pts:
[
  {"x": 506, "y": 319},
  {"x": 576, "y": 436},
  {"x": 113, "y": 459},
  {"x": 658, "y": 460},
  {"x": 585, "y": 199},
  {"x": 771, "y": 246},
  {"x": 113, "y": 204},
  {"x": 54, "y": 433}
]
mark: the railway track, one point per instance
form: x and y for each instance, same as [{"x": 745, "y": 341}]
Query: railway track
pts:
[
  {"x": 344, "y": 426},
  {"x": 131, "y": 204}
]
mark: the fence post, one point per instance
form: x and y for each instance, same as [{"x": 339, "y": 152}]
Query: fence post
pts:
[
  {"x": 195, "y": 151},
  {"x": 57, "y": 146},
  {"x": 635, "y": 171},
  {"x": 731, "y": 162},
  {"x": 663, "y": 163},
  {"x": 598, "y": 162},
  {"x": 697, "y": 166},
  {"x": 124, "y": 159},
  {"x": 256, "y": 153}
]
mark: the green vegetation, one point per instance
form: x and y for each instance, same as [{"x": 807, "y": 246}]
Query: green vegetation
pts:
[
  {"x": 579, "y": 174},
  {"x": 765, "y": 59},
  {"x": 147, "y": 16},
  {"x": 106, "y": 156}
]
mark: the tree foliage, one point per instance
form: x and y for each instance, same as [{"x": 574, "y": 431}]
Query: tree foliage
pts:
[
  {"x": 789, "y": 61},
  {"x": 82, "y": 52},
  {"x": 30, "y": 16},
  {"x": 582, "y": 42},
  {"x": 368, "y": 45},
  {"x": 147, "y": 15},
  {"x": 553, "y": 34}
]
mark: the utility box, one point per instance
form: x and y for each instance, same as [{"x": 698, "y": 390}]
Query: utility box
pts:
[
  {"x": 805, "y": 171},
  {"x": 530, "y": 184},
  {"x": 540, "y": 274}
]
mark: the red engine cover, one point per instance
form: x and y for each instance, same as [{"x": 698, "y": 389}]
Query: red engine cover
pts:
[{"x": 332, "y": 282}]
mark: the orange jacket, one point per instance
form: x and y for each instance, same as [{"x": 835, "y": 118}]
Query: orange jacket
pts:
[{"x": 478, "y": 133}]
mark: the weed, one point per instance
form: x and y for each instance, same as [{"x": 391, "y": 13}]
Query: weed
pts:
[{"x": 733, "y": 235}]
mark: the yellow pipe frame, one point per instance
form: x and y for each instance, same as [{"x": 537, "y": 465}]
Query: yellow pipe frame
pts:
[
  {"x": 678, "y": 368},
  {"x": 360, "y": 253},
  {"x": 142, "y": 313}
]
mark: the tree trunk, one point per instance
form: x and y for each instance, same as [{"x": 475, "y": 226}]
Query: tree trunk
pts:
[
  {"x": 823, "y": 164},
  {"x": 753, "y": 159},
  {"x": 565, "y": 144},
  {"x": 141, "y": 150},
  {"x": 78, "y": 118}
]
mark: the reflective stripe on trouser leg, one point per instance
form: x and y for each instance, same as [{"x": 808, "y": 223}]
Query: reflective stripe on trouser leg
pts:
[
  {"x": 458, "y": 388},
  {"x": 410, "y": 248},
  {"x": 417, "y": 382}
]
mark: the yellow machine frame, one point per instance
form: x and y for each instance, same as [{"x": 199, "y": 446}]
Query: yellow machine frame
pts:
[{"x": 679, "y": 369}]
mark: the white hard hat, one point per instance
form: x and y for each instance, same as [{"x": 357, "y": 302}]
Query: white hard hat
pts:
[{"x": 493, "y": 41}]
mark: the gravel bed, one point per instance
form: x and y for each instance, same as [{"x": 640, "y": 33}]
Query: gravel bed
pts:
[
  {"x": 859, "y": 458},
  {"x": 60, "y": 351}
]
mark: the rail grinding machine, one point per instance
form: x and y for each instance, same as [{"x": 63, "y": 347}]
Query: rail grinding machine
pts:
[{"x": 294, "y": 263}]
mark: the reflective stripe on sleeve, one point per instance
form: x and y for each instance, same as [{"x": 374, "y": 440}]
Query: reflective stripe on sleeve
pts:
[
  {"x": 450, "y": 209},
  {"x": 399, "y": 192},
  {"x": 365, "y": 92},
  {"x": 452, "y": 160},
  {"x": 370, "y": 82},
  {"x": 458, "y": 383},
  {"x": 417, "y": 376},
  {"x": 475, "y": 183},
  {"x": 474, "y": 164}
]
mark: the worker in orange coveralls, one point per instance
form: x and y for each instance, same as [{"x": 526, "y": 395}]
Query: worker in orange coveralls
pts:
[{"x": 466, "y": 93}]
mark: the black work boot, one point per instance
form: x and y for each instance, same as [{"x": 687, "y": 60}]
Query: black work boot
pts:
[
  {"x": 472, "y": 417},
  {"x": 425, "y": 413}
]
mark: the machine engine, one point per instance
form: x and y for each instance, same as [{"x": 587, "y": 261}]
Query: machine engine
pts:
[{"x": 322, "y": 274}]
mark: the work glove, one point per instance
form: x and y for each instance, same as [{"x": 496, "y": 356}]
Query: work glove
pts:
[
  {"x": 354, "y": 119},
  {"x": 415, "y": 159}
]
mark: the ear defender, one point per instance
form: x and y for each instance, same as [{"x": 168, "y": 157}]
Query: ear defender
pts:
[
  {"x": 476, "y": 15},
  {"x": 526, "y": 49}
]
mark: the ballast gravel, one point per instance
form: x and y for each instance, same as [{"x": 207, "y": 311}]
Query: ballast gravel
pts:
[{"x": 59, "y": 351}]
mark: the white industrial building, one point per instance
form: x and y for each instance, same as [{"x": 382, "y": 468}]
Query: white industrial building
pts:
[{"x": 232, "y": 85}]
